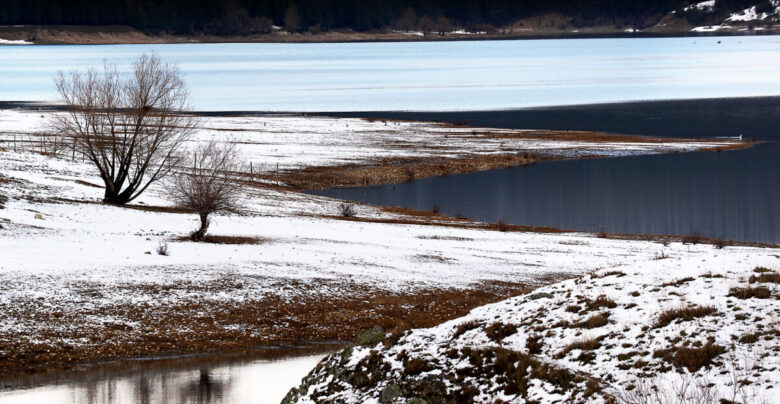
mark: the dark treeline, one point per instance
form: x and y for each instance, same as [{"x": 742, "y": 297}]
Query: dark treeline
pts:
[{"x": 227, "y": 17}]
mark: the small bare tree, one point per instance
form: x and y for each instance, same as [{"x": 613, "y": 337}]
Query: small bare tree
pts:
[
  {"x": 209, "y": 186},
  {"x": 130, "y": 128}
]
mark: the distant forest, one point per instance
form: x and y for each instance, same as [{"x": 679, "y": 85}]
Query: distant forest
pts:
[{"x": 241, "y": 17}]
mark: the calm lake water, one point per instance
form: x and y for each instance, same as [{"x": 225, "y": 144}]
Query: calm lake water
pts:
[
  {"x": 733, "y": 195},
  {"x": 427, "y": 76},
  {"x": 251, "y": 378}
]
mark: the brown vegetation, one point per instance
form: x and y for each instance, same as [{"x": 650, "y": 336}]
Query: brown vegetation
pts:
[
  {"x": 692, "y": 359},
  {"x": 683, "y": 314},
  {"x": 192, "y": 325},
  {"x": 759, "y": 292}
]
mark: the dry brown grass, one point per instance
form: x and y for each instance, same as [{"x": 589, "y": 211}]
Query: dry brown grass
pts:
[
  {"x": 584, "y": 344},
  {"x": 498, "y": 331},
  {"x": 464, "y": 327},
  {"x": 759, "y": 292},
  {"x": 677, "y": 282},
  {"x": 224, "y": 239},
  {"x": 600, "y": 302},
  {"x": 766, "y": 277},
  {"x": 683, "y": 314},
  {"x": 199, "y": 326},
  {"x": 692, "y": 359},
  {"x": 594, "y": 321}
]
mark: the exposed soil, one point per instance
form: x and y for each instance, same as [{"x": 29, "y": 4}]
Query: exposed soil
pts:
[{"x": 198, "y": 326}]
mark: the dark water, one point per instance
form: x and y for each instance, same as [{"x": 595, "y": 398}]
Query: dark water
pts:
[
  {"x": 733, "y": 195},
  {"x": 262, "y": 376}
]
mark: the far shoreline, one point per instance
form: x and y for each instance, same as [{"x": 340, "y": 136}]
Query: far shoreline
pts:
[{"x": 124, "y": 35}]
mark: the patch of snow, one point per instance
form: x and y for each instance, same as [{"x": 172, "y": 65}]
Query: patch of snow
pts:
[
  {"x": 708, "y": 5},
  {"x": 14, "y": 42}
]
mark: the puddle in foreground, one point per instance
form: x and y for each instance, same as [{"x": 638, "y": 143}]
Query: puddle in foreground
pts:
[{"x": 262, "y": 376}]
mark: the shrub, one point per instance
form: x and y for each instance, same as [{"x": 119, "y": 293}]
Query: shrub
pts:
[
  {"x": 760, "y": 270},
  {"x": 719, "y": 243},
  {"x": 369, "y": 338},
  {"x": 502, "y": 226},
  {"x": 347, "y": 210},
  {"x": 162, "y": 248},
  {"x": 436, "y": 209},
  {"x": 683, "y": 314},
  {"x": 694, "y": 238},
  {"x": 759, "y": 292}
]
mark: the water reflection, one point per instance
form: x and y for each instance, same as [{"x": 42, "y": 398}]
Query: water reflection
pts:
[{"x": 258, "y": 377}]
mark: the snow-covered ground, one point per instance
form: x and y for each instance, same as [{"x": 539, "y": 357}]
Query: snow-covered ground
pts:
[
  {"x": 622, "y": 332},
  {"x": 294, "y": 142},
  {"x": 62, "y": 251}
]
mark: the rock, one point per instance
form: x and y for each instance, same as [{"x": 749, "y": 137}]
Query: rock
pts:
[
  {"x": 390, "y": 393},
  {"x": 148, "y": 253},
  {"x": 39, "y": 216}
]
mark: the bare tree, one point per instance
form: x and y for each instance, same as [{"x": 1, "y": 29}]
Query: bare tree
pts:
[
  {"x": 131, "y": 128},
  {"x": 209, "y": 186}
]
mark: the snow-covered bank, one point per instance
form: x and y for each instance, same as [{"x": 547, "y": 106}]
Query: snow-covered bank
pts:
[
  {"x": 294, "y": 142},
  {"x": 79, "y": 276},
  {"x": 675, "y": 329}
]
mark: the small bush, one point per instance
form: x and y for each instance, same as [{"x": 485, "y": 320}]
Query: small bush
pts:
[
  {"x": 760, "y": 270},
  {"x": 719, "y": 243},
  {"x": 602, "y": 234},
  {"x": 502, "y": 226},
  {"x": 162, "y": 248},
  {"x": 465, "y": 326},
  {"x": 694, "y": 239},
  {"x": 759, "y": 292},
  {"x": 683, "y": 314},
  {"x": 347, "y": 210},
  {"x": 498, "y": 331},
  {"x": 436, "y": 209},
  {"x": 369, "y": 338}
]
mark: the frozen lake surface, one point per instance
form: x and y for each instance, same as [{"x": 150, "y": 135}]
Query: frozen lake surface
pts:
[{"x": 427, "y": 76}]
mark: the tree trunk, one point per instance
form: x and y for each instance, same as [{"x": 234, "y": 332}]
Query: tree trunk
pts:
[
  {"x": 116, "y": 198},
  {"x": 204, "y": 225}
]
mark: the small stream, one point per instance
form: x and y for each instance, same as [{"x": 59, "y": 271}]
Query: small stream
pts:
[{"x": 262, "y": 376}]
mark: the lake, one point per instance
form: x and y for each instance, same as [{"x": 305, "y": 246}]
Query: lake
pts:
[
  {"x": 427, "y": 76},
  {"x": 732, "y": 195}
]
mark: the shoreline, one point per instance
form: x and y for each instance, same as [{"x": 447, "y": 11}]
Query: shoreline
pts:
[{"x": 125, "y": 35}]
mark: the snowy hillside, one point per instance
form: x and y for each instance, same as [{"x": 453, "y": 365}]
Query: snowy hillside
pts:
[{"x": 668, "y": 330}]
